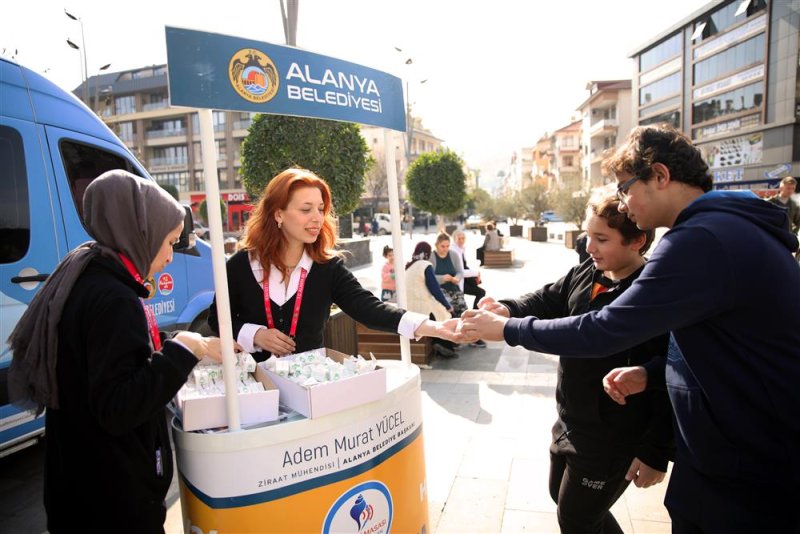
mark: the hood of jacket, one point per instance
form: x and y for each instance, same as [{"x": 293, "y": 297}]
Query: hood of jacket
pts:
[{"x": 771, "y": 218}]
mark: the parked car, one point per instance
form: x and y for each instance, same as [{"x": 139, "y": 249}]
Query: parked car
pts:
[
  {"x": 200, "y": 230},
  {"x": 550, "y": 216},
  {"x": 474, "y": 222},
  {"x": 384, "y": 223}
]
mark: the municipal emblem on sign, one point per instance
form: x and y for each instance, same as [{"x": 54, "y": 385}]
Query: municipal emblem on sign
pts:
[
  {"x": 166, "y": 284},
  {"x": 253, "y": 75}
]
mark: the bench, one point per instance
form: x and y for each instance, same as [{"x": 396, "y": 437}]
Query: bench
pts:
[
  {"x": 386, "y": 345},
  {"x": 498, "y": 258}
]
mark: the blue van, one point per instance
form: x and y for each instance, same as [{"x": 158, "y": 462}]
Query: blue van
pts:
[{"x": 51, "y": 148}]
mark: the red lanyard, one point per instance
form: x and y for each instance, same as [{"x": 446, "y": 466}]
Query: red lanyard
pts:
[
  {"x": 297, "y": 300},
  {"x": 152, "y": 325}
]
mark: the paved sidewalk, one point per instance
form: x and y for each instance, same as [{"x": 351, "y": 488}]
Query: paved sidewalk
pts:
[{"x": 487, "y": 417}]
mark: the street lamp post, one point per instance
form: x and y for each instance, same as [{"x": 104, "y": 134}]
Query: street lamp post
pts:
[
  {"x": 97, "y": 86},
  {"x": 81, "y": 49}
]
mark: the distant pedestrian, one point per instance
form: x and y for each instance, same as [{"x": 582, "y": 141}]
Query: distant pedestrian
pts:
[
  {"x": 580, "y": 247},
  {"x": 374, "y": 226},
  {"x": 425, "y": 295},
  {"x": 388, "y": 285},
  {"x": 784, "y": 200}
]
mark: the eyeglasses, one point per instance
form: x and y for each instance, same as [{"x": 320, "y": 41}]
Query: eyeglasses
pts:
[{"x": 622, "y": 189}]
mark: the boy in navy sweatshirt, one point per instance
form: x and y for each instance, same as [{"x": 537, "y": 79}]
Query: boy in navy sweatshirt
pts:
[{"x": 724, "y": 283}]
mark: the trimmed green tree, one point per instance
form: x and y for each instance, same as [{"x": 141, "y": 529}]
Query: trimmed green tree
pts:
[
  {"x": 571, "y": 205},
  {"x": 334, "y": 151},
  {"x": 436, "y": 183},
  {"x": 203, "y": 209},
  {"x": 535, "y": 200},
  {"x": 484, "y": 203},
  {"x": 171, "y": 189}
]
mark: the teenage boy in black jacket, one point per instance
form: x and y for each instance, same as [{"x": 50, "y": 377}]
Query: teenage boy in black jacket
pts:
[{"x": 598, "y": 446}]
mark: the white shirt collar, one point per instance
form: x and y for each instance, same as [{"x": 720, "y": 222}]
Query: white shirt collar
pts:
[{"x": 278, "y": 292}]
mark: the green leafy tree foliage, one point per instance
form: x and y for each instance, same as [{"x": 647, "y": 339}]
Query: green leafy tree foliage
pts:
[
  {"x": 571, "y": 205},
  {"x": 510, "y": 206},
  {"x": 484, "y": 203},
  {"x": 171, "y": 189},
  {"x": 334, "y": 151},
  {"x": 535, "y": 200},
  {"x": 436, "y": 183},
  {"x": 204, "y": 211}
]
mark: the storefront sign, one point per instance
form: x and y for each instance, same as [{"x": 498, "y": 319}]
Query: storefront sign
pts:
[{"x": 734, "y": 152}]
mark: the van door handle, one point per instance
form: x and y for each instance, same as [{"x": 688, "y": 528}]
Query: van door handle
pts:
[{"x": 34, "y": 278}]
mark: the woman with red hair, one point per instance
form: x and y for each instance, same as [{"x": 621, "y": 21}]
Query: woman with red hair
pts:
[{"x": 284, "y": 280}]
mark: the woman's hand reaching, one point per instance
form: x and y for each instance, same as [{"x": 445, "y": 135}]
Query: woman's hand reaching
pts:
[{"x": 274, "y": 341}]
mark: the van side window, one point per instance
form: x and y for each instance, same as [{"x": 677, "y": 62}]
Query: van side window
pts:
[
  {"x": 83, "y": 163},
  {"x": 15, "y": 222}
]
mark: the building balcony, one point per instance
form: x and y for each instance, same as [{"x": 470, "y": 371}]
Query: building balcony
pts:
[
  {"x": 155, "y": 105},
  {"x": 241, "y": 125},
  {"x": 158, "y": 134},
  {"x": 167, "y": 164},
  {"x": 603, "y": 127}
]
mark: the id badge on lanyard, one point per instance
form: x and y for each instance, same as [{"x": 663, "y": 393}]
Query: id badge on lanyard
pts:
[
  {"x": 152, "y": 324},
  {"x": 297, "y": 301}
]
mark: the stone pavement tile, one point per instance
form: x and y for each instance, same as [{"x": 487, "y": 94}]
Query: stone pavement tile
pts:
[
  {"x": 487, "y": 457},
  {"x": 527, "y": 485},
  {"x": 648, "y": 504},
  {"x": 512, "y": 363},
  {"x": 517, "y": 521},
  {"x": 651, "y": 527},
  {"x": 475, "y": 505},
  {"x": 473, "y": 377},
  {"x": 620, "y": 512}
]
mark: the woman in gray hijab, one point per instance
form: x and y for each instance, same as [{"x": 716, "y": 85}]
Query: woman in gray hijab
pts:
[{"x": 88, "y": 349}]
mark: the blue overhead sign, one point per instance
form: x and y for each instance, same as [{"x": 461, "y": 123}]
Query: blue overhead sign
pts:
[{"x": 208, "y": 70}]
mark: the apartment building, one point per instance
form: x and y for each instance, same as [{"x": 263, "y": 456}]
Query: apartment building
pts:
[
  {"x": 727, "y": 75},
  {"x": 135, "y": 105},
  {"x": 606, "y": 117},
  {"x": 567, "y": 156}
]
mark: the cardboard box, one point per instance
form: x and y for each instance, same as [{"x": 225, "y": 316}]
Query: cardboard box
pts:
[
  {"x": 211, "y": 412},
  {"x": 330, "y": 397}
]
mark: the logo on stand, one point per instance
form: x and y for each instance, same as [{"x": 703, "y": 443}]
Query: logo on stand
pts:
[
  {"x": 363, "y": 509},
  {"x": 253, "y": 75}
]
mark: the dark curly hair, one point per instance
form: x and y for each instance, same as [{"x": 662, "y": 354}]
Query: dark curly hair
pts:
[
  {"x": 608, "y": 209},
  {"x": 663, "y": 144}
]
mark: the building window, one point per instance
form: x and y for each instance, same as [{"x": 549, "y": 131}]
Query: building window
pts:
[
  {"x": 179, "y": 179},
  {"x": 660, "y": 107},
  {"x": 124, "y": 105},
  {"x": 660, "y": 53},
  {"x": 736, "y": 101},
  {"x": 670, "y": 117},
  {"x": 730, "y": 60},
  {"x": 567, "y": 161},
  {"x": 218, "y": 120},
  {"x": 660, "y": 89},
  {"x": 222, "y": 151},
  {"x": 170, "y": 155},
  {"x": 725, "y": 17},
  {"x": 166, "y": 128},
  {"x": 126, "y": 130}
]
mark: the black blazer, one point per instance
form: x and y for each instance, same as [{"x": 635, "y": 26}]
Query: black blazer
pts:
[{"x": 326, "y": 284}]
